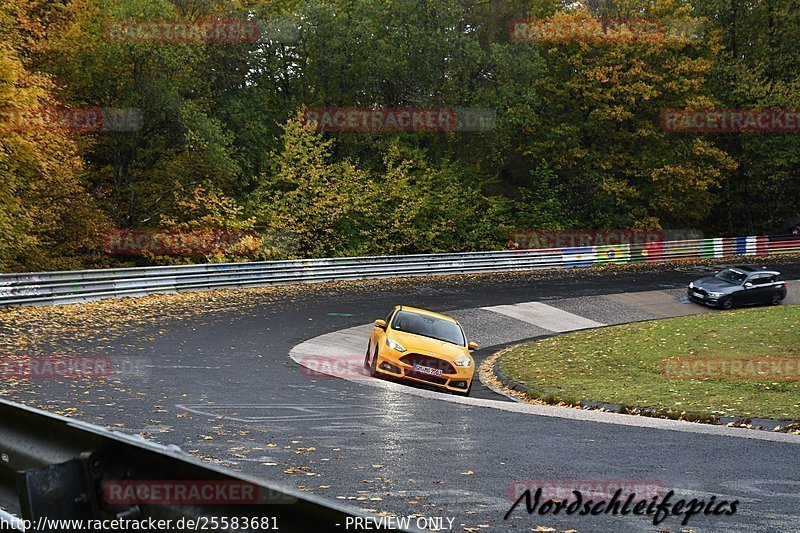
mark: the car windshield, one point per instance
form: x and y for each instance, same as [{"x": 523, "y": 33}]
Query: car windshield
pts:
[
  {"x": 428, "y": 326},
  {"x": 731, "y": 276}
]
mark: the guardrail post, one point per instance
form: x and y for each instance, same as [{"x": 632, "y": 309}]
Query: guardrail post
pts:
[{"x": 62, "y": 491}]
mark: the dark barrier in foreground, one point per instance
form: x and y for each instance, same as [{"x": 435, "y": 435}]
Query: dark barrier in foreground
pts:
[{"x": 55, "y": 468}]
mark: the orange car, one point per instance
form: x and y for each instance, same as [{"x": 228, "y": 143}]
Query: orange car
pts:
[{"x": 422, "y": 346}]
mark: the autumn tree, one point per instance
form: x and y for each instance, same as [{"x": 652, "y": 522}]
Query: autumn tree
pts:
[
  {"x": 48, "y": 218},
  {"x": 597, "y": 119}
]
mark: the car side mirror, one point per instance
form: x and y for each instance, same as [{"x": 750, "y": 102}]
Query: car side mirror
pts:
[
  {"x": 380, "y": 324},
  {"x": 748, "y": 285},
  {"x": 473, "y": 346}
]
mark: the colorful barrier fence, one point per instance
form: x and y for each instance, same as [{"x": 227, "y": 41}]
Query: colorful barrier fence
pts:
[
  {"x": 665, "y": 251},
  {"x": 48, "y": 288}
]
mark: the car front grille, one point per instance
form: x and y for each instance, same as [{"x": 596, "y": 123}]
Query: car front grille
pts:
[{"x": 426, "y": 360}]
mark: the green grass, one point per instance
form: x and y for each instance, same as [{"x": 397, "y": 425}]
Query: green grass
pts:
[{"x": 620, "y": 364}]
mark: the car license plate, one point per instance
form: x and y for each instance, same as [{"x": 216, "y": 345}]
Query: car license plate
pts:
[{"x": 427, "y": 370}]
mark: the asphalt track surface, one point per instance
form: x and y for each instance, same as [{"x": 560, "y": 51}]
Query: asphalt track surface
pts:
[{"x": 223, "y": 387}]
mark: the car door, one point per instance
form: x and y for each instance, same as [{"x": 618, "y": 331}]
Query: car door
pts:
[
  {"x": 756, "y": 289},
  {"x": 767, "y": 289}
]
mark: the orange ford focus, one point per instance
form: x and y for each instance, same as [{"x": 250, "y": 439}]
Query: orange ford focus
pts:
[{"x": 422, "y": 346}]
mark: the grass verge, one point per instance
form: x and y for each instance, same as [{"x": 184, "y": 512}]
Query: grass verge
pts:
[{"x": 665, "y": 365}]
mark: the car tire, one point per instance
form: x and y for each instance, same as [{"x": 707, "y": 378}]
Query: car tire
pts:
[
  {"x": 776, "y": 299},
  {"x": 373, "y": 369},
  {"x": 726, "y": 303},
  {"x": 366, "y": 358}
]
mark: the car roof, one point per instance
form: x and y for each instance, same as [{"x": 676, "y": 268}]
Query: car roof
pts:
[
  {"x": 750, "y": 269},
  {"x": 427, "y": 313}
]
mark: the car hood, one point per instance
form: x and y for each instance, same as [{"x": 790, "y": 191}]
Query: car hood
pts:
[
  {"x": 710, "y": 283},
  {"x": 427, "y": 346}
]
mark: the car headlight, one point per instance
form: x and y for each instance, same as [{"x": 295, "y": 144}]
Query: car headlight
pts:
[
  {"x": 394, "y": 345},
  {"x": 716, "y": 294},
  {"x": 464, "y": 361},
  {"x": 691, "y": 284}
]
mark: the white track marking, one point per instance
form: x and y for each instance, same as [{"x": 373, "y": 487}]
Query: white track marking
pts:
[
  {"x": 310, "y": 413},
  {"x": 545, "y": 316},
  {"x": 183, "y": 367},
  {"x": 566, "y": 412},
  {"x": 347, "y": 342},
  {"x": 351, "y": 341}
]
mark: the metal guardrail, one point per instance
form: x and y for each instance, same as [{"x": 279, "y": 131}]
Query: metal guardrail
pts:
[
  {"x": 56, "y": 468},
  {"x": 49, "y": 288},
  {"x": 50, "y": 463}
]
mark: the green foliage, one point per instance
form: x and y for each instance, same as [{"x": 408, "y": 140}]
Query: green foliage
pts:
[
  {"x": 542, "y": 205},
  {"x": 317, "y": 200},
  {"x": 332, "y": 208},
  {"x": 576, "y": 142},
  {"x": 420, "y": 208},
  {"x": 758, "y": 68}
]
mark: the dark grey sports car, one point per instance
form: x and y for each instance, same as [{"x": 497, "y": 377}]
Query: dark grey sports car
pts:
[{"x": 740, "y": 285}]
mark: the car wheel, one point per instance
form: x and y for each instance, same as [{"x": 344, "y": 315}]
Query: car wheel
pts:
[
  {"x": 373, "y": 369},
  {"x": 727, "y": 303},
  {"x": 776, "y": 299},
  {"x": 366, "y": 358}
]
